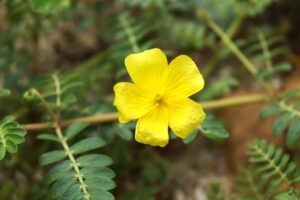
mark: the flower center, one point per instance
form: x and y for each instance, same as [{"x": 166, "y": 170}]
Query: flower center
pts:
[{"x": 158, "y": 100}]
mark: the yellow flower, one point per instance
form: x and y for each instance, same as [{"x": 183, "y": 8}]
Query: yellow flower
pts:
[{"x": 159, "y": 96}]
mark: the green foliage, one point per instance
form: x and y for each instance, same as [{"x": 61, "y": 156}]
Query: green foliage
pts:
[
  {"x": 75, "y": 175},
  {"x": 58, "y": 90},
  {"x": 4, "y": 92},
  {"x": 130, "y": 36},
  {"x": 287, "y": 112},
  {"x": 288, "y": 195},
  {"x": 263, "y": 47},
  {"x": 48, "y": 6},
  {"x": 29, "y": 32},
  {"x": 187, "y": 34},
  {"x": 269, "y": 172},
  {"x": 211, "y": 129},
  {"x": 218, "y": 87},
  {"x": 11, "y": 135}
]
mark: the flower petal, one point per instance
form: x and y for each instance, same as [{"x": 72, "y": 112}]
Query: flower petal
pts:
[
  {"x": 153, "y": 128},
  {"x": 147, "y": 68},
  {"x": 184, "y": 78},
  {"x": 131, "y": 102},
  {"x": 185, "y": 116}
]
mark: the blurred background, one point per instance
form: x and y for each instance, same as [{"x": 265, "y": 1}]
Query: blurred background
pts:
[{"x": 89, "y": 39}]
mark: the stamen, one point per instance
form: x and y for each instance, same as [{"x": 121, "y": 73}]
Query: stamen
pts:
[{"x": 158, "y": 100}]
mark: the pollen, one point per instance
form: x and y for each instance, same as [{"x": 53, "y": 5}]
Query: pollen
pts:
[{"x": 158, "y": 100}]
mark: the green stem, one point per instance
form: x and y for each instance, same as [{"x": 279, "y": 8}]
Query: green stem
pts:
[
  {"x": 232, "y": 46},
  {"x": 72, "y": 159},
  {"x": 228, "y": 42},
  {"x": 63, "y": 141},
  {"x": 218, "y": 55},
  {"x": 44, "y": 102},
  {"x": 234, "y": 101},
  {"x": 110, "y": 117},
  {"x": 277, "y": 168},
  {"x": 289, "y": 108}
]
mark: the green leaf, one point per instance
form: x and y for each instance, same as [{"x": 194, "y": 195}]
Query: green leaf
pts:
[
  {"x": 46, "y": 136},
  {"x": 94, "y": 160},
  {"x": 293, "y": 133},
  {"x": 87, "y": 145},
  {"x": 2, "y": 151},
  {"x": 11, "y": 134},
  {"x": 213, "y": 129},
  {"x": 100, "y": 183},
  {"x": 4, "y": 92},
  {"x": 68, "y": 99},
  {"x": 7, "y": 119},
  {"x": 72, "y": 192},
  {"x": 95, "y": 193},
  {"x": 60, "y": 186},
  {"x": 11, "y": 147},
  {"x": 282, "y": 123},
  {"x": 51, "y": 157},
  {"x": 13, "y": 130},
  {"x": 98, "y": 171},
  {"x": 190, "y": 137},
  {"x": 17, "y": 139},
  {"x": 74, "y": 129},
  {"x": 270, "y": 111},
  {"x": 287, "y": 195},
  {"x": 124, "y": 132},
  {"x": 58, "y": 171},
  {"x": 48, "y": 6}
]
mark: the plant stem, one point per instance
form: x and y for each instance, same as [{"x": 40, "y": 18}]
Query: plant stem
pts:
[
  {"x": 44, "y": 102},
  {"x": 228, "y": 42},
  {"x": 56, "y": 118},
  {"x": 274, "y": 165},
  {"x": 110, "y": 117},
  {"x": 232, "y": 46},
  {"x": 212, "y": 63},
  {"x": 234, "y": 101},
  {"x": 72, "y": 159}
]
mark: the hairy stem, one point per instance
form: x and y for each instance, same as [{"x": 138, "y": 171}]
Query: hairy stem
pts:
[
  {"x": 277, "y": 168},
  {"x": 212, "y": 62},
  {"x": 228, "y": 42},
  {"x": 288, "y": 108},
  {"x": 233, "y": 47},
  {"x": 58, "y": 131},
  {"x": 109, "y": 117},
  {"x": 44, "y": 102},
  {"x": 72, "y": 159}
]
